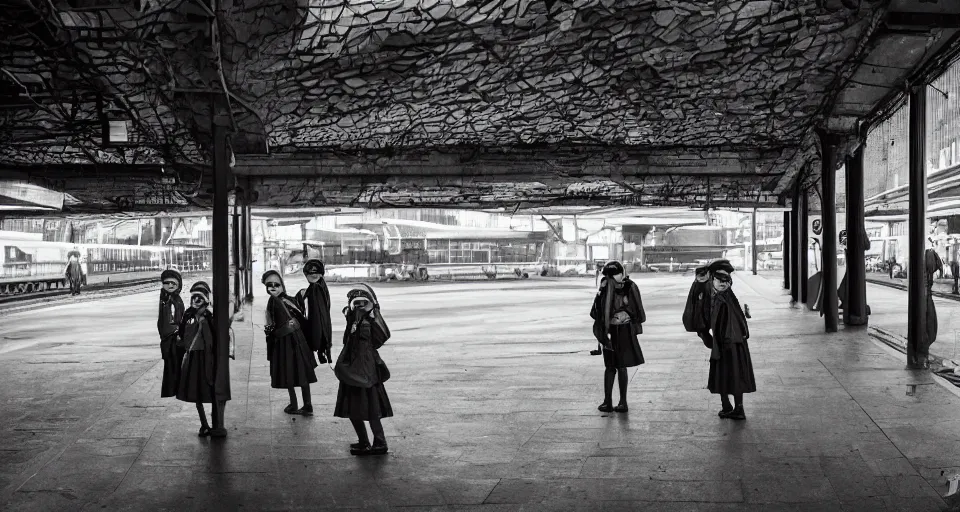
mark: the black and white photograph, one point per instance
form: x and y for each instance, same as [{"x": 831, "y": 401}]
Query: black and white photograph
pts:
[{"x": 480, "y": 255}]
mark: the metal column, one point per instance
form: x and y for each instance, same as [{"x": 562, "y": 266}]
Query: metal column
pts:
[
  {"x": 248, "y": 214},
  {"x": 785, "y": 250},
  {"x": 753, "y": 238},
  {"x": 221, "y": 266},
  {"x": 795, "y": 247},
  {"x": 235, "y": 250},
  {"x": 803, "y": 246},
  {"x": 855, "y": 306},
  {"x": 917, "y": 227},
  {"x": 829, "y": 143}
]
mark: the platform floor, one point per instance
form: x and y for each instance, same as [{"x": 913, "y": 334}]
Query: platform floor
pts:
[{"x": 495, "y": 399}]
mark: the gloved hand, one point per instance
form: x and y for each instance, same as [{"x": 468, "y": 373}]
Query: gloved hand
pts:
[{"x": 268, "y": 329}]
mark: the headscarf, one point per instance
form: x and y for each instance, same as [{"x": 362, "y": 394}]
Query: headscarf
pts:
[
  {"x": 613, "y": 268},
  {"x": 379, "y": 330},
  {"x": 315, "y": 265},
  {"x": 281, "y": 308},
  {"x": 319, "y": 328},
  {"x": 167, "y": 274},
  {"x": 201, "y": 289}
]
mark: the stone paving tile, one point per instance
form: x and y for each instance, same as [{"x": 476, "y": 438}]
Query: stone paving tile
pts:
[{"x": 506, "y": 421}]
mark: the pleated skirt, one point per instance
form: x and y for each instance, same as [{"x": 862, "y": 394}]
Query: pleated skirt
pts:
[
  {"x": 193, "y": 381},
  {"x": 292, "y": 362},
  {"x": 626, "y": 349},
  {"x": 362, "y": 403},
  {"x": 733, "y": 372},
  {"x": 172, "y": 359}
]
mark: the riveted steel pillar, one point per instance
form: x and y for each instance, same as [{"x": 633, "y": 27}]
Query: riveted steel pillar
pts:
[
  {"x": 829, "y": 143},
  {"x": 804, "y": 245},
  {"x": 222, "y": 185},
  {"x": 855, "y": 305},
  {"x": 785, "y": 250},
  {"x": 753, "y": 238},
  {"x": 795, "y": 247},
  {"x": 917, "y": 228}
]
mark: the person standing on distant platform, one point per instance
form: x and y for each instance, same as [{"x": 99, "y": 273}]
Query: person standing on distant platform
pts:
[
  {"x": 198, "y": 369},
  {"x": 74, "y": 272},
  {"x": 168, "y": 324},
  {"x": 361, "y": 372},
  {"x": 618, "y": 317},
  {"x": 314, "y": 301},
  {"x": 731, "y": 369},
  {"x": 291, "y": 361},
  {"x": 696, "y": 313}
]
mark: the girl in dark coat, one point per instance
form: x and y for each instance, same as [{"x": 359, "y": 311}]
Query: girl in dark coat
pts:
[
  {"x": 931, "y": 265},
  {"x": 696, "y": 313},
  {"x": 314, "y": 301},
  {"x": 291, "y": 361},
  {"x": 731, "y": 370},
  {"x": 361, "y": 372},
  {"x": 198, "y": 370},
  {"x": 618, "y": 314},
  {"x": 168, "y": 324}
]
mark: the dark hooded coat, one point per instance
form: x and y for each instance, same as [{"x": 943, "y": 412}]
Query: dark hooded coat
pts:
[
  {"x": 360, "y": 370},
  {"x": 932, "y": 264},
  {"x": 198, "y": 370},
  {"x": 168, "y": 325},
  {"x": 291, "y": 361},
  {"x": 731, "y": 368},
  {"x": 314, "y": 301}
]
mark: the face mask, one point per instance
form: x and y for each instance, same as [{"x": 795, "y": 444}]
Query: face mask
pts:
[
  {"x": 313, "y": 278},
  {"x": 274, "y": 289}
]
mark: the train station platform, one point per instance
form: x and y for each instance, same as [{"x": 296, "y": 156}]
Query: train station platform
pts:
[{"x": 495, "y": 399}]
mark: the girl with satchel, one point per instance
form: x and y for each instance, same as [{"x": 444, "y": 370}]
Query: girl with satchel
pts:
[
  {"x": 198, "y": 370},
  {"x": 291, "y": 361},
  {"x": 168, "y": 325},
  {"x": 361, "y": 372},
  {"x": 731, "y": 369}
]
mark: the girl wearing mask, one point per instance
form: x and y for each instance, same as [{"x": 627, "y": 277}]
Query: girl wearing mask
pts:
[
  {"x": 291, "y": 361},
  {"x": 314, "y": 301},
  {"x": 618, "y": 314},
  {"x": 198, "y": 371},
  {"x": 731, "y": 370},
  {"x": 168, "y": 324},
  {"x": 361, "y": 372}
]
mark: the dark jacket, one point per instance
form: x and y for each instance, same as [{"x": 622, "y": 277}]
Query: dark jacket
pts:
[
  {"x": 696, "y": 312},
  {"x": 314, "y": 301},
  {"x": 727, "y": 322},
  {"x": 602, "y": 310}
]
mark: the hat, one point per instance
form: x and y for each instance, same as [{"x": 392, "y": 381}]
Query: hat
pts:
[
  {"x": 200, "y": 289},
  {"x": 168, "y": 273},
  {"x": 363, "y": 290},
  {"x": 612, "y": 268},
  {"x": 313, "y": 266},
  {"x": 273, "y": 273},
  {"x": 701, "y": 270},
  {"x": 720, "y": 266}
]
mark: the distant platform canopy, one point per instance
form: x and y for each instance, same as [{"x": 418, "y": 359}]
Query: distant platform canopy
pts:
[{"x": 472, "y": 103}]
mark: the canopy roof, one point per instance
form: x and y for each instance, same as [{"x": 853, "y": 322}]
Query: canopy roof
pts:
[{"x": 475, "y": 103}]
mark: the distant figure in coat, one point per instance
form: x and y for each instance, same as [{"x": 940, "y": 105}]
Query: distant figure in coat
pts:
[
  {"x": 932, "y": 264},
  {"x": 696, "y": 313},
  {"x": 731, "y": 369},
  {"x": 168, "y": 325},
  {"x": 314, "y": 301},
  {"x": 291, "y": 361},
  {"x": 74, "y": 272},
  {"x": 199, "y": 371},
  {"x": 362, "y": 372},
  {"x": 618, "y": 317}
]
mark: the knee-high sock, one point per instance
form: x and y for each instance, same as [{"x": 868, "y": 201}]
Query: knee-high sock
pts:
[
  {"x": 622, "y": 376},
  {"x": 377, "y": 428},
  {"x": 738, "y": 399},
  {"x": 293, "y": 396},
  {"x": 203, "y": 415},
  {"x": 305, "y": 391},
  {"x": 361, "y": 430},
  {"x": 608, "y": 375},
  {"x": 217, "y": 413},
  {"x": 725, "y": 401}
]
